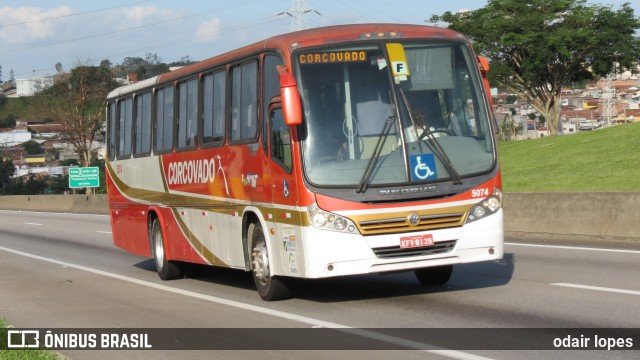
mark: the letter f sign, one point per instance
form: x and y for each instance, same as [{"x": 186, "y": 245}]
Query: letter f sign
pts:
[{"x": 400, "y": 68}]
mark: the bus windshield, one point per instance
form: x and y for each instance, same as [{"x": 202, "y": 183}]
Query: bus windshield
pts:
[{"x": 392, "y": 114}]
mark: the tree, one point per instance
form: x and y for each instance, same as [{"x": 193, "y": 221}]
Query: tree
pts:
[
  {"x": 106, "y": 63},
  {"x": 152, "y": 58},
  {"x": 78, "y": 102},
  {"x": 537, "y": 46},
  {"x": 32, "y": 147},
  {"x": 58, "y": 184},
  {"x": 133, "y": 61},
  {"x": 59, "y": 69},
  {"x": 99, "y": 163},
  {"x": 7, "y": 169},
  {"x": 11, "y": 76},
  {"x": 69, "y": 162},
  {"x": 184, "y": 61},
  {"x": 509, "y": 128},
  {"x": 141, "y": 71}
]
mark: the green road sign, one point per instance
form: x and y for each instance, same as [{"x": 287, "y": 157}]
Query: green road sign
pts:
[{"x": 84, "y": 177}]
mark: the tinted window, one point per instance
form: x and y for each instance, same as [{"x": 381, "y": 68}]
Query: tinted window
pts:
[
  {"x": 188, "y": 109},
  {"x": 111, "y": 125},
  {"x": 271, "y": 89},
  {"x": 213, "y": 107},
  {"x": 143, "y": 124},
  {"x": 164, "y": 119},
  {"x": 244, "y": 102},
  {"x": 280, "y": 140},
  {"x": 124, "y": 129}
]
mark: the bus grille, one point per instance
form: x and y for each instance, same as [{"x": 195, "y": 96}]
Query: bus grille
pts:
[
  {"x": 400, "y": 224},
  {"x": 441, "y": 247}
]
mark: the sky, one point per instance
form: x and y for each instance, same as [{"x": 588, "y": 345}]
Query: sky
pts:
[{"x": 36, "y": 35}]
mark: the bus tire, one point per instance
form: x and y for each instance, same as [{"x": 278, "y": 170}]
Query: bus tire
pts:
[
  {"x": 167, "y": 270},
  {"x": 269, "y": 287},
  {"x": 437, "y": 275}
]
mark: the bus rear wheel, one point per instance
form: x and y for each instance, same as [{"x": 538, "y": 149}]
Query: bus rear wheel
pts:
[
  {"x": 167, "y": 270},
  {"x": 269, "y": 287},
  {"x": 438, "y": 275}
]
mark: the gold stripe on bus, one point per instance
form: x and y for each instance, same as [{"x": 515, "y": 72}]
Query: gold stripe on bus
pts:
[
  {"x": 196, "y": 243},
  {"x": 167, "y": 199},
  {"x": 163, "y": 177}
]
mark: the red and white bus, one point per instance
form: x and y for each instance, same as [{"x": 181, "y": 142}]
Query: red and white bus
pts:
[{"x": 326, "y": 152}]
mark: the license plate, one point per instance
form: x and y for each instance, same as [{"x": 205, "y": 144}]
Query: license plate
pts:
[{"x": 408, "y": 242}]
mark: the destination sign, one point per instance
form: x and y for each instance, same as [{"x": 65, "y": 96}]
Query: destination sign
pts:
[{"x": 332, "y": 57}]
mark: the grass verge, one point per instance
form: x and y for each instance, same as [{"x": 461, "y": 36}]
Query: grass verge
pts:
[
  {"x": 22, "y": 354},
  {"x": 600, "y": 160}
]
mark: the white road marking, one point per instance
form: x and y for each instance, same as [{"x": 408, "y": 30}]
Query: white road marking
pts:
[
  {"x": 597, "y": 288},
  {"x": 575, "y": 248},
  {"x": 103, "y": 232},
  {"x": 52, "y": 213},
  {"x": 259, "y": 309},
  {"x": 34, "y": 224}
]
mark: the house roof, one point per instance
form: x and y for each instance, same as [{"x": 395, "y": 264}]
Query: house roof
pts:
[{"x": 47, "y": 128}]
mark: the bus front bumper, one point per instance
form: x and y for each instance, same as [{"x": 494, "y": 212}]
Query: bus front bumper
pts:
[{"x": 329, "y": 254}]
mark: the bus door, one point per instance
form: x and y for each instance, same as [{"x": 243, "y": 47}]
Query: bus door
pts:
[{"x": 287, "y": 237}]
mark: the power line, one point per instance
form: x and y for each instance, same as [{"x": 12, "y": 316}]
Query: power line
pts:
[
  {"x": 296, "y": 11},
  {"x": 74, "y": 14},
  {"x": 203, "y": 36},
  {"x": 359, "y": 10},
  {"x": 402, "y": 10},
  {"x": 175, "y": 42},
  {"x": 10, "y": 51}
]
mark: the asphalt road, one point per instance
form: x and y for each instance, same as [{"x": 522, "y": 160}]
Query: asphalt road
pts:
[{"x": 62, "y": 271}]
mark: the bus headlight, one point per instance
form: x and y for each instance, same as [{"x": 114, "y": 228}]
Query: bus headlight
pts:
[
  {"x": 324, "y": 220},
  {"x": 486, "y": 207},
  {"x": 319, "y": 220}
]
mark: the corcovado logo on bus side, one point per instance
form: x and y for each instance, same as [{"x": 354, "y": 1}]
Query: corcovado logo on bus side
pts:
[
  {"x": 333, "y": 57},
  {"x": 197, "y": 171}
]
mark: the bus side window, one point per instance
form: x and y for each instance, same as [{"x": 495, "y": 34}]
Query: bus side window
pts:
[
  {"x": 164, "y": 120},
  {"x": 125, "y": 123},
  {"x": 271, "y": 88},
  {"x": 280, "y": 140},
  {"x": 244, "y": 102},
  {"x": 213, "y": 107},
  {"x": 142, "y": 125},
  {"x": 187, "y": 113},
  {"x": 111, "y": 130}
]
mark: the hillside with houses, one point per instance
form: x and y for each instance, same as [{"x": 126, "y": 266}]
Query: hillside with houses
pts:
[{"x": 593, "y": 106}]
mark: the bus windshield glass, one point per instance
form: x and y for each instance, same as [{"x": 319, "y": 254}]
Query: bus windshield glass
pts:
[{"x": 392, "y": 114}]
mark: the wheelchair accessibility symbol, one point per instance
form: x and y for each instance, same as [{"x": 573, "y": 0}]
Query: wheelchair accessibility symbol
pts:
[{"x": 424, "y": 167}]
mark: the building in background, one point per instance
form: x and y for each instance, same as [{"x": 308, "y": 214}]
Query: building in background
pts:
[{"x": 30, "y": 87}]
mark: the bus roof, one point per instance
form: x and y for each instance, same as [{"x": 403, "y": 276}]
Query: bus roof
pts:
[
  {"x": 133, "y": 87},
  {"x": 299, "y": 39}
]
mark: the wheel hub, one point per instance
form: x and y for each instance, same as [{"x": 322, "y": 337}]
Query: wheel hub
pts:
[{"x": 260, "y": 262}]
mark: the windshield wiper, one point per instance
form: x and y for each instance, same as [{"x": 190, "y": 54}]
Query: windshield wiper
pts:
[
  {"x": 364, "y": 182},
  {"x": 433, "y": 144}
]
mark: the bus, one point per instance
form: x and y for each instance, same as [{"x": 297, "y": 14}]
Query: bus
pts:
[{"x": 327, "y": 152}]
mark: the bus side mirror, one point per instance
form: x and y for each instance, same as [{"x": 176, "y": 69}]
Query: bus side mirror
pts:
[
  {"x": 483, "y": 62},
  {"x": 291, "y": 105}
]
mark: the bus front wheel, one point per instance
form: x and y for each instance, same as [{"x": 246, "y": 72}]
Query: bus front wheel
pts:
[
  {"x": 269, "y": 287},
  {"x": 167, "y": 270},
  {"x": 438, "y": 275}
]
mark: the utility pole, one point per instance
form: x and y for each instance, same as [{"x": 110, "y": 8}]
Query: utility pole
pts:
[
  {"x": 609, "y": 100},
  {"x": 297, "y": 10}
]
